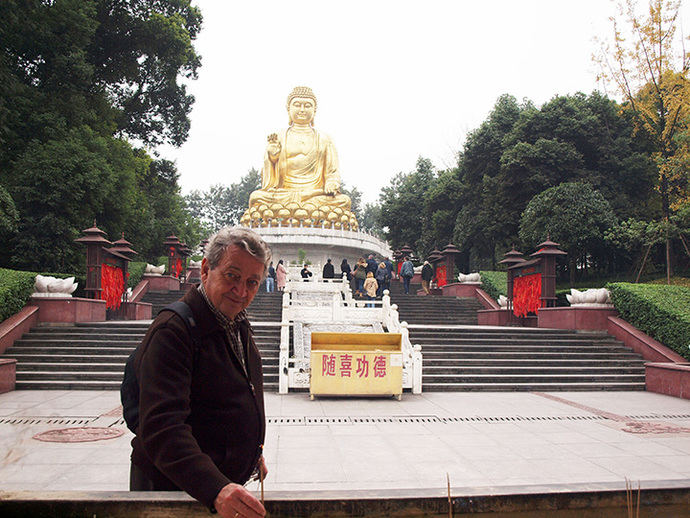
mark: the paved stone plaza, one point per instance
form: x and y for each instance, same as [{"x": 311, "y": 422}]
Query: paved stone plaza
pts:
[{"x": 479, "y": 439}]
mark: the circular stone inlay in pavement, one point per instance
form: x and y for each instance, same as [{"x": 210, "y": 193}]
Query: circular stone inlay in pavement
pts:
[{"x": 85, "y": 434}]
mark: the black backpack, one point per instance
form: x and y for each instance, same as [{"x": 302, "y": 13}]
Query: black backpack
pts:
[{"x": 129, "y": 390}]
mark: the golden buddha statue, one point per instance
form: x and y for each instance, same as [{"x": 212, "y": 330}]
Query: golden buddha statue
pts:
[{"x": 300, "y": 182}]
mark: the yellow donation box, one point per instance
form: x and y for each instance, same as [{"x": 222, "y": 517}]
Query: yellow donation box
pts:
[{"x": 356, "y": 364}]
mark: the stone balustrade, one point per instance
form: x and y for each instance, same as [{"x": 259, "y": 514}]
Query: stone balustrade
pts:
[{"x": 330, "y": 306}]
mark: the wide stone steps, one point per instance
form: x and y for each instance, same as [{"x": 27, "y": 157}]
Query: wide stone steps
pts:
[
  {"x": 436, "y": 310},
  {"x": 266, "y": 307},
  {"x": 502, "y": 359},
  {"x": 92, "y": 356}
]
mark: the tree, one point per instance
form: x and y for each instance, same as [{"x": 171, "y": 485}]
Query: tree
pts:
[
  {"x": 76, "y": 78},
  {"x": 221, "y": 205},
  {"x": 9, "y": 217},
  {"x": 651, "y": 72},
  {"x": 355, "y": 196},
  {"x": 573, "y": 214},
  {"x": 402, "y": 206},
  {"x": 370, "y": 218},
  {"x": 520, "y": 150}
]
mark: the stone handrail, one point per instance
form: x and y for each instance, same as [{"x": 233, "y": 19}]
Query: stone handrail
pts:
[{"x": 332, "y": 302}]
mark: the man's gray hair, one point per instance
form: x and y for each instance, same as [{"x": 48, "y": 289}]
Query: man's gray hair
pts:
[{"x": 240, "y": 236}]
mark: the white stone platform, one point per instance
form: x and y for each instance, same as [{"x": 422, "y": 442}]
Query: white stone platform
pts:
[{"x": 320, "y": 244}]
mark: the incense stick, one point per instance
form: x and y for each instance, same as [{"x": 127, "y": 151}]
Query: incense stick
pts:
[{"x": 450, "y": 501}]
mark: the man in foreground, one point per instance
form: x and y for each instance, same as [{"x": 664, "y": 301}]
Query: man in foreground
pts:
[{"x": 201, "y": 411}]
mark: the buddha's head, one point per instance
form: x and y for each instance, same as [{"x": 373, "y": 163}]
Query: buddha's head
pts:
[{"x": 301, "y": 105}]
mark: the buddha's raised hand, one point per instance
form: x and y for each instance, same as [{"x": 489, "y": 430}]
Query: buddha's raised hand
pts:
[{"x": 273, "y": 145}]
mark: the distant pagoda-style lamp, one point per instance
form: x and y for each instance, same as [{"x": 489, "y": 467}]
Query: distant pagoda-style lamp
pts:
[
  {"x": 548, "y": 251},
  {"x": 450, "y": 254},
  {"x": 95, "y": 241},
  {"x": 173, "y": 247}
]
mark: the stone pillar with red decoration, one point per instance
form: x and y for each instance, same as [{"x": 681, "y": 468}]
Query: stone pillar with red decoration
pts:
[
  {"x": 547, "y": 253},
  {"x": 449, "y": 254},
  {"x": 534, "y": 283},
  {"x": 124, "y": 247},
  {"x": 114, "y": 283},
  {"x": 173, "y": 246},
  {"x": 95, "y": 240}
]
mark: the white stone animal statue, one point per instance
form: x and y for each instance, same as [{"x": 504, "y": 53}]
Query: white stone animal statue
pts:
[
  {"x": 154, "y": 270},
  {"x": 47, "y": 287},
  {"x": 469, "y": 277},
  {"x": 593, "y": 298},
  {"x": 503, "y": 301}
]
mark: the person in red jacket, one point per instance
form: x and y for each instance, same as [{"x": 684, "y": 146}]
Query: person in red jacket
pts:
[{"x": 201, "y": 410}]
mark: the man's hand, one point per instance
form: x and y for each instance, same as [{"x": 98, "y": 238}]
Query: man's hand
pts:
[
  {"x": 234, "y": 501},
  {"x": 263, "y": 470}
]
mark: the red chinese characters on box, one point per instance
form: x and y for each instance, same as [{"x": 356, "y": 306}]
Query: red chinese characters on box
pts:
[{"x": 350, "y": 366}]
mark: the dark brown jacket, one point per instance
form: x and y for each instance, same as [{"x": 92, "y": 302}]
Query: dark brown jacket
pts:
[{"x": 201, "y": 422}]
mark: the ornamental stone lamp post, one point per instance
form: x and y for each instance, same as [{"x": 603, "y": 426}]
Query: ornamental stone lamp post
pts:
[
  {"x": 449, "y": 254},
  {"x": 95, "y": 241},
  {"x": 185, "y": 252},
  {"x": 547, "y": 252},
  {"x": 122, "y": 247},
  {"x": 173, "y": 246},
  {"x": 512, "y": 258}
]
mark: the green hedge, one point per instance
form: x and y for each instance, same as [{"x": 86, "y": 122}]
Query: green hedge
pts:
[
  {"x": 136, "y": 272},
  {"x": 495, "y": 283},
  {"x": 16, "y": 288},
  {"x": 662, "y": 312}
]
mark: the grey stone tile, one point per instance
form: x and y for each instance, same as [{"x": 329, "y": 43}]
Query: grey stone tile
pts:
[
  {"x": 312, "y": 472},
  {"x": 643, "y": 468}
]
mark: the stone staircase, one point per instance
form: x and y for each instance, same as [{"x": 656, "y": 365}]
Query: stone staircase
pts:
[
  {"x": 266, "y": 307},
  {"x": 525, "y": 359},
  {"x": 433, "y": 310},
  {"x": 92, "y": 356},
  {"x": 456, "y": 357}
]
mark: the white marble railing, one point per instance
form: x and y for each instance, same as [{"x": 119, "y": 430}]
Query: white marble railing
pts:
[{"x": 329, "y": 306}]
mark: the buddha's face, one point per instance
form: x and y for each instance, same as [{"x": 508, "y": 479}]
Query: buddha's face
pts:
[{"x": 302, "y": 110}]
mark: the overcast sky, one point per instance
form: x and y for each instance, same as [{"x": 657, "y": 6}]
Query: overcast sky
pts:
[{"x": 394, "y": 80}]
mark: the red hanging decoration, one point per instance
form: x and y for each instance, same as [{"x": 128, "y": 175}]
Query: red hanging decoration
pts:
[
  {"x": 112, "y": 286},
  {"x": 441, "y": 276},
  {"x": 526, "y": 294}
]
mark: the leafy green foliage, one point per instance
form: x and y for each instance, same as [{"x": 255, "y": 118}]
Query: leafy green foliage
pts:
[
  {"x": 572, "y": 214},
  {"x": 402, "y": 206},
  {"x": 662, "y": 312},
  {"x": 9, "y": 217},
  {"x": 76, "y": 78},
  {"x": 494, "y": 283},
  {"x": 136, "y": 272},
  {"x": 222, "y": 205},
  {"x": 15, "y": 290},
  {"x": 520, "y": 150}
]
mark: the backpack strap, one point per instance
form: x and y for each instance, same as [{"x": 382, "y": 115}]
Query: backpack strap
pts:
[{"x": 183, "y": 310}]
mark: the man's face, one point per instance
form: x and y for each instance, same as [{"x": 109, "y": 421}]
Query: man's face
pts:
[
  {"x": 232, "y": 284},
  {"x": 302, "y": 110}
]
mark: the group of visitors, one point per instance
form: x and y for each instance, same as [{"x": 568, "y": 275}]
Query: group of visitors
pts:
[
  {"x": 276, "y": 277},
  {"x": 369, "y": 278}
]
